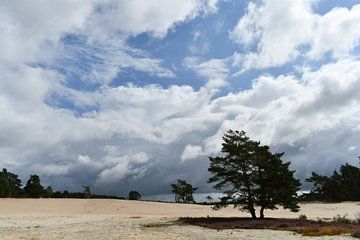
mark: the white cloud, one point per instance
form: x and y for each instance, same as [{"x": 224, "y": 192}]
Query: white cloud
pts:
[
  {"x": 296, "y": 110},
  {"x": 105, "y": 60},
  {"x": 199, "y": 44},
  {"x": 352, "y": 148},
  {"x": 51, "y": 169},
  {"x": 336, "y": 32},
  {"x": 152, "y": 16},
  {"x": 169, "y": 113},
  {"x": 215, "y": 71},
  {"x": 33, "y": 32},
  {"x": 156, "y": 122},
  {"x": 191, "y": 152},
  {"x": 125, "y": 165},
  {"x": 276, "y": 28},
  {"x": 29, "y": 27},
  {"x": 280, "y": 31}
]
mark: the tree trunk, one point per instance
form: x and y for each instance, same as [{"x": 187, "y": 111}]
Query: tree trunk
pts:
[
  {"x": 262, "y": 212},
  {"x": 251, "y": 207},
  {"x": 252, "y": 212}
]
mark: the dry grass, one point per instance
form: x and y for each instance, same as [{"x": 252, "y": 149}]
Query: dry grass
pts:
[
  {"x": 156, "y": 225},
  {"x": 321, "y": 231},
  {"x": 303, "y": 227}
]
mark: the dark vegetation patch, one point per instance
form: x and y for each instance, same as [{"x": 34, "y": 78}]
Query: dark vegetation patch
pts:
[
  {"x": 304, "y": 227},
  {"x": 157, "y": 224}
]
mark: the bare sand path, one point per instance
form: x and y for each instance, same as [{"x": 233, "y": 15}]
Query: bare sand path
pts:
[{"x": 118, "y": 219}]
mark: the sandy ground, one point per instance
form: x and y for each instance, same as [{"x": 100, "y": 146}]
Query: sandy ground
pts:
[{"x": 119, "y": 219}]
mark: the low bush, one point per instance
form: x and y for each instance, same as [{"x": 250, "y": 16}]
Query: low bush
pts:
[
  {"x": 342, "y": 219},
  {"x": 356, "y": 234}
]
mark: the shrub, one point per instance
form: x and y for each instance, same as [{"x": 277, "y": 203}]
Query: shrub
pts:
[
  {"x": 341, "y": 219},
  {"x": 356, "y": 234},
  {"x": 303, "y": 217}
]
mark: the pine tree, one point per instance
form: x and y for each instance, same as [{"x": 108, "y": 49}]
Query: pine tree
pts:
[
  {"x": 183, "y": 191},
  {"x": 251, "y": 175},
  {"x": 10, "y": 184},
  {"x": 33, "y": 187}
]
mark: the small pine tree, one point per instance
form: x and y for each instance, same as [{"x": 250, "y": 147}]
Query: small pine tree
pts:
[{"x": 87, "y": 191}]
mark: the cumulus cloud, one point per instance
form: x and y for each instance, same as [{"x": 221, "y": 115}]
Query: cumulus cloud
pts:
[
  {"x": 336, "y": 33},
  {"x": 298, "y": 113},
  {"x": 191, "y": 152},
  {"x": 276, "y": 29},
  {"x": 277, "y": 32}
]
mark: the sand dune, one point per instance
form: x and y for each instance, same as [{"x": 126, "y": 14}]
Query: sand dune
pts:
[{"x": 119, "y": 219}]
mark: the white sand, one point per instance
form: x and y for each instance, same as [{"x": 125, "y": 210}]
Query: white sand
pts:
[{"x": 117, "y": 219}]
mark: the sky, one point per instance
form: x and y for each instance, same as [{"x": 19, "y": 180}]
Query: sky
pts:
[{"x": 132, "y": 95}]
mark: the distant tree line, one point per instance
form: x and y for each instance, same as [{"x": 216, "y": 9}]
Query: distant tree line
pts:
[
  {"x": 342, "y": 185},
  {"x": 11, "y": 187}
]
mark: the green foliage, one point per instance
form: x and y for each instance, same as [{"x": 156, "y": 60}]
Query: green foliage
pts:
[
  {"x": 252, "y": 175},
  {"x": 33, "y": 187},
  {"x": 134, "y": 195},
  {"x": 183, "y": 191},
  {"x": 342, "y": 219},
  {"x": 340, "y": 186},
  {"x": 303, "y": 217},
  {"x": 10, "y": 184}
]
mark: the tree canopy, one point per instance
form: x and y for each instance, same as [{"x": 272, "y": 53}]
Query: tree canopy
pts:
[
  {"x": 183, "y": 191},
  {"x": 33, "y": 187},
  {"x": 10, "y": 184},
  {"x": 134, "y": 195},
  {"x": 251, "y": 175},
  {"x": 340, "y": 186}
]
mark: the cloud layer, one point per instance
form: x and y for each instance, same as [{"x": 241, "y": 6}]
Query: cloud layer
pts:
[{"x": 68, "y": 113}]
